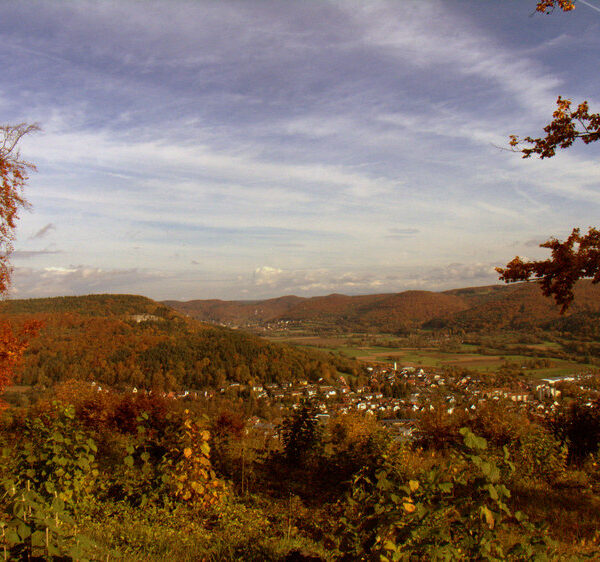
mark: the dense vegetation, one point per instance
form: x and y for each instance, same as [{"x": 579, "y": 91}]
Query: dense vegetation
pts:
[
  {"x": 128, "y": 341},
  {"x": 106, "y": 473},
  {"x": 91, "y": 474}
]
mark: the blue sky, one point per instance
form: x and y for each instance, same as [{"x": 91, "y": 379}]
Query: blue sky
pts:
[{"x": 248, "y": 149}]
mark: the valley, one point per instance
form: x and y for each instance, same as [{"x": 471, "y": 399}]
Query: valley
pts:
[{"x": 278, "y": 411}]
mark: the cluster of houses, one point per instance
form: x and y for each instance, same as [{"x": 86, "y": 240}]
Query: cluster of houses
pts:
[
  {"x": 425, "y": 390},
  {"x": 422, "y": 390}
]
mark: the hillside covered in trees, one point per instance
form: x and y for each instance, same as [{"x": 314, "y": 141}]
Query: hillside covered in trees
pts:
[
  {"x": 518, "y": 307},
  {"x": 125, "y": 340}
]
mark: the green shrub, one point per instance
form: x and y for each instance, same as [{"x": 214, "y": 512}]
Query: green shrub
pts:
[
  {"x": 56, "y": 456},
  {"x": 455, "y": 512},
  {"x": 166, "y": 465},
  {"x": 540, "y": 455},
  {"x": 52, "y": 469}
]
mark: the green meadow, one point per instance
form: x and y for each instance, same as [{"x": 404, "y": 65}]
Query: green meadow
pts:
[{"x": 467, "y": 356}]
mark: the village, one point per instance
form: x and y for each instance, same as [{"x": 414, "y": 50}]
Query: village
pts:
[{"x": 396, "y": 396}]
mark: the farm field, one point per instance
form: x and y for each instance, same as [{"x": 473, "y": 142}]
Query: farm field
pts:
[{"x": 465, "y": 356}]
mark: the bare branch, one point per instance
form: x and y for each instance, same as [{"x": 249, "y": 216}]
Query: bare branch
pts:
[{"x": 10, "y": 135}]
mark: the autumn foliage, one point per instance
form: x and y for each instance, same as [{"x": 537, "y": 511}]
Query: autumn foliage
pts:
[
  {"x": 578, "y": 256},
  {"x": 575, "y": 258},
  {"x": 547, "y": 6},
  {"x": 12, "y": 346},
  {"x": 566, "y": 127},
  {"x": 13, "y": 177}
]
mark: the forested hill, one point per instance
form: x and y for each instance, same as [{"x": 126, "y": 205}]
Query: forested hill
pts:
[
  {"x": 126, "y": 340},
  {"x": 89, "y": 305},
  {"x": 523, "y": 307},
  {"x": 387, "y": 312},
  {"x": 520, "y": 306},
  {"x": 236, "y": 312}
]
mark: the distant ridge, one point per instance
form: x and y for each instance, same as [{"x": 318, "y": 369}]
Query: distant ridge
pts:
[
  {"x": 89, "y": 305},
  {"x": 235, "y": 312},
  {"x": 519, "y": 306}
]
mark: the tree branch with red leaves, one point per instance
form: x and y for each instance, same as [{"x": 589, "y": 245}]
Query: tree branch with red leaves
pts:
[
  {"x": 578, "y": 257},
  {"x": 13, "y": 178},
  {"x": 565, "y": 128},
  {"x": 547, "y": 6}
]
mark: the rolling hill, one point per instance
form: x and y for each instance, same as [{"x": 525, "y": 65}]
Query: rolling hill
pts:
[
  {"x": 517, "y": 307},
  {"x": 128, "y": 340}
]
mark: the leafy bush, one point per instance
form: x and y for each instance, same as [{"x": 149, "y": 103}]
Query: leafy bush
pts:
[
  {"x": 168, "y": 465},
  {"x": 540, "y": 455},
  {"x": 52, "y": 469},
  {"x": 454, "y": 512},
  {"x": 55, "y": 456}
]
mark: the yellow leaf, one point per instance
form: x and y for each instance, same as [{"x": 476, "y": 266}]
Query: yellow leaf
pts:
[
  {"x": 488, "y": 516},
  {"x": 187, "y": 452},
  {"x": 413, "y": 485}
]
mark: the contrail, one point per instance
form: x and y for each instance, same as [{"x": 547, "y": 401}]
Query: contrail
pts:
[{"x": 590, "y": 5}]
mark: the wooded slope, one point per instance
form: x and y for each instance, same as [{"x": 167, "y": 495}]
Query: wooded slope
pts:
[
  {"x": 126, "y": 340},
  {"x": 518, "y": 307}
]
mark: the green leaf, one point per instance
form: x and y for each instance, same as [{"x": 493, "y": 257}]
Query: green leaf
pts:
[
  {"x": 38, "y": 539},
  {"x": 128, "y": 460},
  {"x": 24, "y": 530},
  {"x": 11, "y": 537}
]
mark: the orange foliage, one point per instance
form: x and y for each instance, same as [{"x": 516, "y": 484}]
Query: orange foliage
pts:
[
  {"x": 576, "y": 258},
  {"x": 565, "y": 128},
  {"x": 547, "y": 6},
  {"x": 13, "y": 177},
  {"x": 579, "y": 256},
  {"x": 12, "y": 347},
  {"x": 106, "y": 410}
]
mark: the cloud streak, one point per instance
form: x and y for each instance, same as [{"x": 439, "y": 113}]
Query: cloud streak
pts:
[
  {"x": 348, "y": 147},
  {"x": 42, "y": 232}
]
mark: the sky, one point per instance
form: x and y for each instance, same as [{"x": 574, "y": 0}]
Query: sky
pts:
[{"x": 253, "y": 149}]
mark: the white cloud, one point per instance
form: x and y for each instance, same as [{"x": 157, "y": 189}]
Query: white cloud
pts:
[
  {"x": 78, "y": 280},
  {"x": 348, "y": 146},
  {"x": 428, "y": 34},
  {"x": 267, "y": 275},
  {"x": 271, "y": 281}
]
